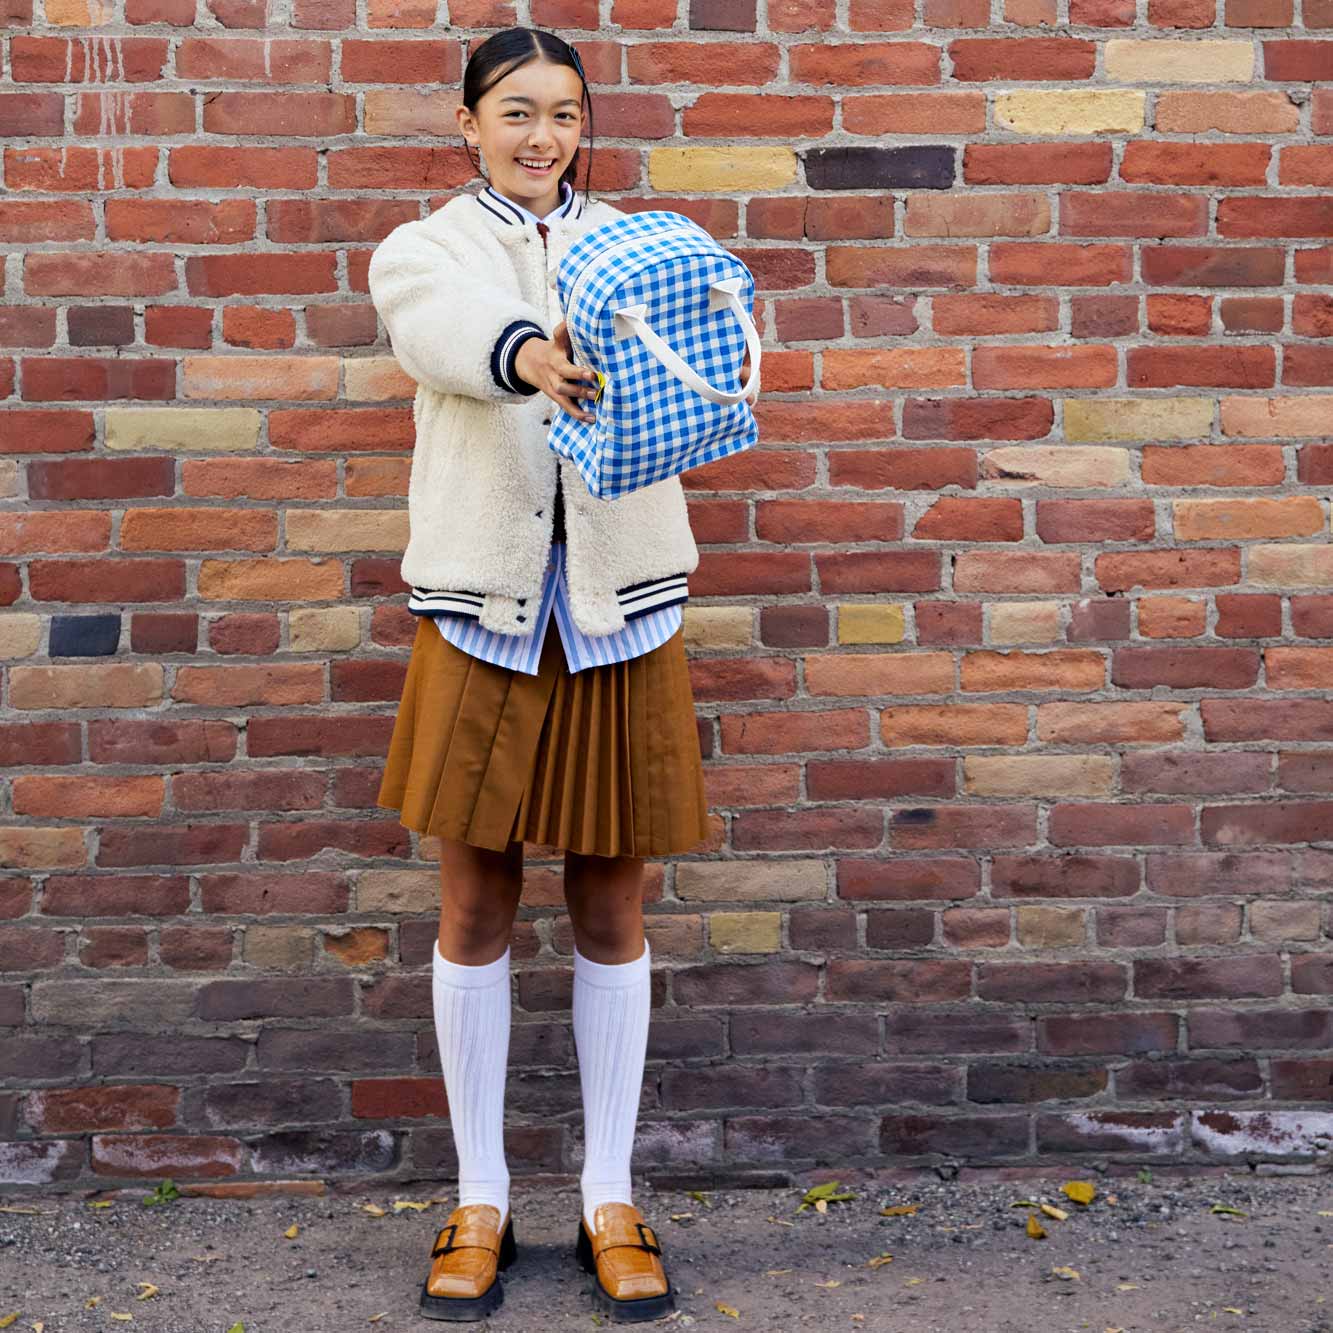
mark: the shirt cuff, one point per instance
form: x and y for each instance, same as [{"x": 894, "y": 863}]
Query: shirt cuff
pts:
[{"x": 504, "y": 355}]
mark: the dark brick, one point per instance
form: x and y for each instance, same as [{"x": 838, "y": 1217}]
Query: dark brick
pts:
[
  {"x": 165, "y": 1055},
  {"x": 781, "y": 1033},
  {"x": 899, "y": 928},
  {"x": 1204, "y": 1079},
  {"x": 883, "y": 1084},
  {"x": 84, "y": 636},
  {"x": 324, "y": 1153},
  {"x": 987, "y": 1137},
  {"x": 263, "y": 997},
  {"x": 722, "y": 1086},
  {"x": 920, "y": 166},
  {"x": 956, "y": 1032},
  {"x": 1195, "y": 978},
  {"x": 1158, "y": 1132},
  {"x": 1124, "y": 1032},
  {"x": 1033, "y": 1083},
  {"x": 734, "y": 983},
  {"x": 784, "y": 1138}
]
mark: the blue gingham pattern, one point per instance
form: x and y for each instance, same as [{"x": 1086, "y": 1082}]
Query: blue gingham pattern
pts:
[
  {"x": 649, "y": 425},
  {"x": 522, "y": 652}
]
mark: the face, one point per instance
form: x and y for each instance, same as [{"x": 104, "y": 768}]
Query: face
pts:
[{"x": 533, "y": 115}]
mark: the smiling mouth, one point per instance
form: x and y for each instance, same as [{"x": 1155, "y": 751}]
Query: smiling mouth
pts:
[{"x": 543, "y": 169}]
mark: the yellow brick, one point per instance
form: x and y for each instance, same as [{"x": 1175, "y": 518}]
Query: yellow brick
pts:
[
  {"x": 408, "y": 891},
  {"x": 29, "y": 846},
  {"x": 270, "y": 580},
  {"x": 1039, "y": 775},
  {"x": 868, "y": 622},
  {"x": 303, "y": 378},
  {"x": 697, "y": 170},
  {"x": 279, "y": 946},
  {"x": 346, "y": 529},
  {"x": 9, "y": 477},
  {"x": 1290, "y": 565},
  {"x": 1278, "y": 418},
  {"x": 20, "y": 634},
  {"x": 1068, "y": 111},
  {"x": 1096, "y": 420},
  {"x": 1276, "y": 920},
  {"x": 112, "y": 685},
  {"x": 745, "y": 932},
  {"x": 196, "y": 429},
  {"x": 1024, "y": 622},
  {"x": 936, "y": 214},
  {"x": 375, "y": 379},
  {"x": 1051, "y": 927},
  {"x": 1067, "y": 465},
  {"x": 79, "y": 13},
  {"x": 1183, "y": 61},
  {"x": 1293, "y": 516},
  {"x": 718, "y": 627},
  {"x": 328, "y": 629},
  {"x": 750, "y": 881}
]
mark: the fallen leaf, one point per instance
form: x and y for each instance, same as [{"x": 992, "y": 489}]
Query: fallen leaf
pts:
[
  {"x": 700, "y": 1197},
  {"x": 1231, "y": 1212},
  {"x": 834, "y": 1283},
  {"x": 780, "y": 1222},
  {"x": 1325, "y": 1212},
  {"x": 1113, "y": 1198},
  {"x": 9, "y": 1319},
  {"x": 1127, "y": 1286},
  {"x": 879, "y": 1260},
  {"x": 292, "y": 1232},
  {"x": 126, "y": 1318},
  {"x": 899, "y": 1210},
  {"x": 729, "y": 1310},
  {"x": 775, "y": 1272},
  {"x": 682, "y": 1217},
  {"x": 148, "y": 1291},
  {"x": 374, "y": 1210},
  {"x": 236, "y": 1328},
  {"x": 375, "y": 1318},
  {"x": 1023, "y": 1203},
  {"x": 1081, "y": 1191},
  {"x": 100, "y": 1203},
  {"x": 1232, "y": 1309},
  {"x": 23, "y": 1210},
  {"x": 1035, "y": 1228},
  {"x": 857, "y": 1318},
  {"x": 913, "y": 1281},
  {"x": 400, "y": 1204},
  {"x": 825, "y": 1193},
  {"x": 1052, "y": 1211},
  {"x": 1069, "y": 1274},
  {"x": 39, "y": 1327},
  {"x": 91, "y": 1302}
]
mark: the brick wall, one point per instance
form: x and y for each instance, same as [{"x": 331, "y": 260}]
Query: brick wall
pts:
[{"x": 1012, "y": 644}]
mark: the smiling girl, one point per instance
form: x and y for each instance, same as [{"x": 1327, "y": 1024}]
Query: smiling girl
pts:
[{"x": 578, "y": 735}]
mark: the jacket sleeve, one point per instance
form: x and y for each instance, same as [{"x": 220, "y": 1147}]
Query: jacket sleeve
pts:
[{"x": 452, "y": 328}]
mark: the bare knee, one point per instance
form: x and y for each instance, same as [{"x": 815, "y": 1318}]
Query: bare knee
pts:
[
  {"x": 479, "y": 894},
  {"x": 605, "y": 899}
]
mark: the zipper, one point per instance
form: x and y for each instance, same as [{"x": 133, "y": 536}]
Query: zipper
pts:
[{"x": 577, "y": 288}]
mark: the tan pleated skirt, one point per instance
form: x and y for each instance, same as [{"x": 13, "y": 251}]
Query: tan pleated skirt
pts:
[{"x": 603, "y": 761}]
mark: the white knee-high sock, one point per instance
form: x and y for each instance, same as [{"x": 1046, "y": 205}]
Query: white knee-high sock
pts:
[
  {"x": 472, "y": 1013},
  {"x": 611, "y": 1010}
]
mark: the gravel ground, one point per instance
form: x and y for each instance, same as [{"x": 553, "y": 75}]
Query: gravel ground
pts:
[{"x": 1146, "y": 1255}]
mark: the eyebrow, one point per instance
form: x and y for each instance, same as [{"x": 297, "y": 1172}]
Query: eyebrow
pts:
[{"x": 529, "y": 102}]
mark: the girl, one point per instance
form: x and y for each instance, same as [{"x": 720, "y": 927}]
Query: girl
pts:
[{"x": 578, "y": 735}]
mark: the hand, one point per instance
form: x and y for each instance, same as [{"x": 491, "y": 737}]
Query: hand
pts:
[
  {"x": 545, "y": 362},
  {"x": 745, "y": 370}
]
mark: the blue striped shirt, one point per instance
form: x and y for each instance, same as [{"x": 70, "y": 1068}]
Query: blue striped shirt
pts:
[{"x": 522, "y": 652}]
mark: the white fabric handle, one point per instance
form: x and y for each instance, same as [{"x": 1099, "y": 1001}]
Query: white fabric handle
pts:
[{"x": 629, "y": 322}]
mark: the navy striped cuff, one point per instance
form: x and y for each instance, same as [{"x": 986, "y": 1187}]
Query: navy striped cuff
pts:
[{"x": 505, "y": 353}]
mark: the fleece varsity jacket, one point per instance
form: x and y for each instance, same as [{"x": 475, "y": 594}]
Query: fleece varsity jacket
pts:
[{"x": 458, "y": 292}]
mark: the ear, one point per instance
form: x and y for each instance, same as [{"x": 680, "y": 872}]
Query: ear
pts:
[{"x": 467, "y": 126}]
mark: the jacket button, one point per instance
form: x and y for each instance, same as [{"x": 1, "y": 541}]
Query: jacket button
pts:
[
  {"x": 522, "y": 601},
  {"x": 546, "y": 421},
  {"x": 520, "y": 619}
]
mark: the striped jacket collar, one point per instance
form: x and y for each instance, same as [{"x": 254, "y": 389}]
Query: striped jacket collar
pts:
[{"x": 507, "y": 211}]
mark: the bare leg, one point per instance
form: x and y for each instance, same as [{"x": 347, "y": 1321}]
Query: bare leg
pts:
[
  {"x": 479, "y": 893},
  {"x": 604, "y": 895}
]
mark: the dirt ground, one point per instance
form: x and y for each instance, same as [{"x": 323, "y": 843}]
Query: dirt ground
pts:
[{"x": 1146, "y": 1256}]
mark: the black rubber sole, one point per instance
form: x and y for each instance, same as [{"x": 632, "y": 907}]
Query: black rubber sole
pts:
[
  {"x": 462, "y": 1310},
  {"x": 621, "y": 1312}
]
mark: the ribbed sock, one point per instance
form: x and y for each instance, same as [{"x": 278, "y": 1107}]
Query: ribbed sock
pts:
[
  {"x": 611, "y": 1010},
  {"x": 472, "y": 1013}
]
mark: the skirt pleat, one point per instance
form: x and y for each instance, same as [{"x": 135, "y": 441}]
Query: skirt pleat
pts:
[{"x": 604, "y": 761}]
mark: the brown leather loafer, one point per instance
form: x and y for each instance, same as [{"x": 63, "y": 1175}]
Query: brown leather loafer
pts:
[
  {"x": 624, "y": 1255},
  {"x": 463, "y": 1283}
]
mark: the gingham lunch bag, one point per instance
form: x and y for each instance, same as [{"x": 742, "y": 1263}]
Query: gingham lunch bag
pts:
[{"x": 664, "y": 314}]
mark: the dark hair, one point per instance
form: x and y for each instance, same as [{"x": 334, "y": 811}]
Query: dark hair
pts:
[{"x": 507, "y": 50}]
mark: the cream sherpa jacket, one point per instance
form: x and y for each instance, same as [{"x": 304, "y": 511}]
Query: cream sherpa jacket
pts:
[{"x": 483, "y": 479}]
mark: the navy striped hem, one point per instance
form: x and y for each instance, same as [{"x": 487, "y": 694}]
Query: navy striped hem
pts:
[
  {"x": 504, "y": 355},
  {"x": 637, "y": 599}
]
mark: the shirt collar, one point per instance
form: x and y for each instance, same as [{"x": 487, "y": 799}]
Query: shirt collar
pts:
[{"x": 506, "y": 210}]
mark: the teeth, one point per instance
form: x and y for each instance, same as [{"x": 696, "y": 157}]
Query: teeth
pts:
[{"x": 528, "y": 162}]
